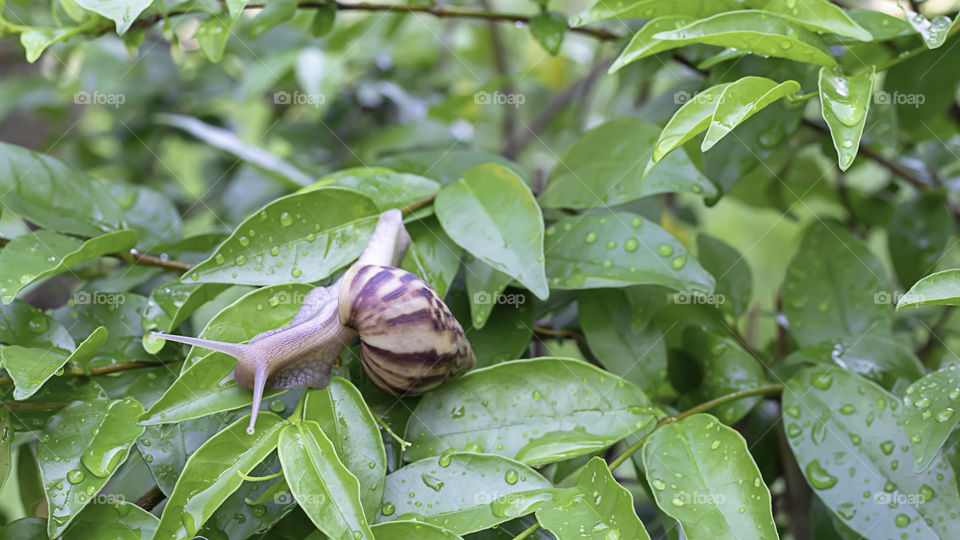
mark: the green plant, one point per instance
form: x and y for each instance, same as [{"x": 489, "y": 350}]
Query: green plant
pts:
[{"x": 675, "y": 233}]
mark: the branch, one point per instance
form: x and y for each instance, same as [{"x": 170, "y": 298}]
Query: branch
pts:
[
  {"x": 105, "y": 370},
  {"x": 135, "y": 257},
  {"x": 149, "y": 500},
  {"x": 562, "y": 334}
]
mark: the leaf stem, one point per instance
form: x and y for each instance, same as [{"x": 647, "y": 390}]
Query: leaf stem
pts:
[
  {"x": 525, "y": 534},
  {"x": 703, "y": 407},
  {"x": 408, "y": 209},
  {"x": 403, "y": 444}
]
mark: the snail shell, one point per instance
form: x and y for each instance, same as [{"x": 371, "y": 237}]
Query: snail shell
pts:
[{"x": 409, "y": 340}]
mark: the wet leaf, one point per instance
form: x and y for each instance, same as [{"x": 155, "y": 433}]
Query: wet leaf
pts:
[
  {"x": 549, "y": 28},
  {"x": 69, "y": 484},
  {"x": 934, "y": 32},
  {"x": 484, "y": 285},
  {"x": 323, "y": 486},
  {"x": 30, "y": 368},
  {"x": 643, "y": 44},
  {"x": 169, "y": 304},
  {"x": 535, "y": 411},
  {"x": 762, "y": 33},
  {"x": 742, "y": 99},
  {"x": 848, "y": 439},
  {"x": 730, "y": 268},
  {"x": 25, "y": 325},
  {"x": 844, "y": 102},
  {"x": 619, "y": 249},
  {"x": 346, "y": 420},
  {"x": 463, "y": 492},
  {"x": 210, "y": 475},
  {"x": 122, "y": 12},
  {"x": 36, "y": 255},
  {"x": 301, "y": 238},
  {"x": 726, "y": 368},
  {"x": 386, "y": 188},
  {"x": 212, "y": 36},
  {"x": 403, "y": 530},
  {"x": 604, "y": 168},
  {"x": 493, "y": 215},
  {"x": 835, "y": 288},
  {"x": 597, "y": 508},
  {"x": 115, "y": 520},
  {"x": 274, "y": 13},
  {"x": 432, "y": 255},
  {"x": 819, "y": 16},
  {"x": 691, "y": 119},
  {"x": 703, "y": 475},
  {"x": 928, "y": 413},
  {"x": 648, "y": 9},
  {"x": 939, "y": 289}
]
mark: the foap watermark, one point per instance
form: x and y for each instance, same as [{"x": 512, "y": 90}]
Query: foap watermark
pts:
[
  {"x": 97, "y": 298},
  {"x": 286, "y": 299},
  {"x": 97, "y": 498},
  {"x": 684, "y": 297},
  {"x": 897, "y": 98},
  {"x": 896, "y": 498},
  {"x": 298, "y": 98},
  {"x": 682, "y": 498},
  {"x": 485, "y": 298},
  {"x": 895, "y": 297},
  {"x": 681, "y": 97},
  {"x": 99, "y": 98},
  {"x": 498, "y": 98}
]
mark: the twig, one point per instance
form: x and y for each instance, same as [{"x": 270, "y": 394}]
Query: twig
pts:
[
  {"x": 386, "y": 427},
  {"x": 32, "y": 407},
  {"x": 95, "y": 371},
  {"x": 569, "y": 334},
  {"x": 136, "y": 257},
  {"x": 417, "y": 205},
  {"x": 149, "y": 500},
  {"x": 503, "y": 68}
]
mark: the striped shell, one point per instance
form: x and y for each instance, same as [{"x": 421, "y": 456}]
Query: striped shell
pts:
[{"x": 410, "y": 342}]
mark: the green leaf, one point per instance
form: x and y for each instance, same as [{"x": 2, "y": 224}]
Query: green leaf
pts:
[
  {"x": 484, "y": 284},
  {"x": 199, "y": 391},
  {"x": 604, "y": 168},
  {"x": 113, "y": 438},
  {"x": 323, "y": 19},
  {"x": 835, "y": 288},
  {"x": 762, "y": 33},
  {"x": 491, "y": 213},
  {"x": 844, "y": 102},
  {"x": 122, "y": 12},
  {"x": 118, "y": 520},
  {"x": 739, "y": 101},
  {"x": 303, "y": 238},
  {"x": 928, "y": 413},
  {"x": 27, "y": 326},
  {"x": 386, "y": 188},
  {"x": 344, "y": 417},
  {"x": 323, "y": 486},
  {"x": 274, "y": 12},
  {"x": 170, "y": 303},
  {"x": 819, "y": 16},
  {"x": 459, "y": 491},
  {"x": 404, "y": 530},
  {"x": 38, "y": 254},
  {"x": 507, "y": 335},
  {"x": 703, "y": 476},
  {"x": 692, "y": 118},
  {"x": 730, "y": 268},
  {"x": 649, "y": 9},
  {"x": 6, "y": 440},
  {"x": 882, "y": 26},
  {"x": 68, "y": 435},
  {"x": 446, "y": 165},
  {"x": 598, "y": 508},
  {"x": 210, "y": 475},
  {"x": 212, "y": 36},
  {"x": 917, "y": 235},
  {"x": 432, "y": 255},
  {"x": 150, "y": 213},
  {"x": 35, "y": 40},
  {"x": 643, "y": 44},
  {"x": 235, "y": 7},
  {"x": 535, "y": 411},
  {"x": 228, "y": 142},
  {"x": 619, "y": 249},
  {"x": 30, "y": 368},
  {"x": 622, "y": 339},
  {"x": 549, "y": 28},
  {"x": 25, "y": 529},
  {"x": 938, "y": 289},
  {"x": 934, "y": 32},
  {"x": 882, "y": 360},
  {"x": 848, "y": 439},
  {"x": 53, "y": 196},
  {"x": 726, "y": 368},
  {"x": 255, "y": 312}
]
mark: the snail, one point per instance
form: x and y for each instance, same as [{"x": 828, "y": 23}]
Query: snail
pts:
[{"x": 409, "y": 340}]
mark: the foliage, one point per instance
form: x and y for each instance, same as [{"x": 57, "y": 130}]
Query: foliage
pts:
[{"x": 704, "y": 252}]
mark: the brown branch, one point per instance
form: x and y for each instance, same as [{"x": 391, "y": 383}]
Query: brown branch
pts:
[
  {"x": 149, "y": 500},
  {"x": 105, "y": 370},
  {"x": 503, "y": 68},
  {"x": 135, "y": 257},
  {"x": 435, "y": 10},
  {"x": 563, "y": 334},
  {"x": 33, "y": 407}
]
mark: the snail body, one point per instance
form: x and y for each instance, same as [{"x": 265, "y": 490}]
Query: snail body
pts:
[{"x": 409, "y": 340}]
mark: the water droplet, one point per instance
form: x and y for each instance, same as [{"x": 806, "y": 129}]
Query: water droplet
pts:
[
  {"x": 822, "y": 381},
  {"x": 714, "y": 445},
  {"x": 387, "y": 509},
  {"x": 511, "y": 477},
  {"x": 275, "y": 250},
  {"x": 278, "y": 406},
  {"x": 658, "y": 484},
  {"x": 819, "y": 477},
  {"x": 631, "y": 244},
  {"x": 240, "y": 260},
  {"x": 432, "y": 482},
  {"x": 678, "y": 262},
  {"x": 591, "y": 237},
  {"x": 244, "y": 241},
  {"x": 75, "y": 476},
  {"x": 922, "y": 403},
  {"x": 887, "y": 447},
  {"x": 296, "y": 272},
  {"x": 285, "y": 220},
  {"x": 445, "y": 457},
  {"x": 219, "y": 258},
  {"x": 37, "y": 324},
  {"x": 665, "y": 250},
  {"x": 902, "y": 520},
  {"x": 848, "y": 409}
]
